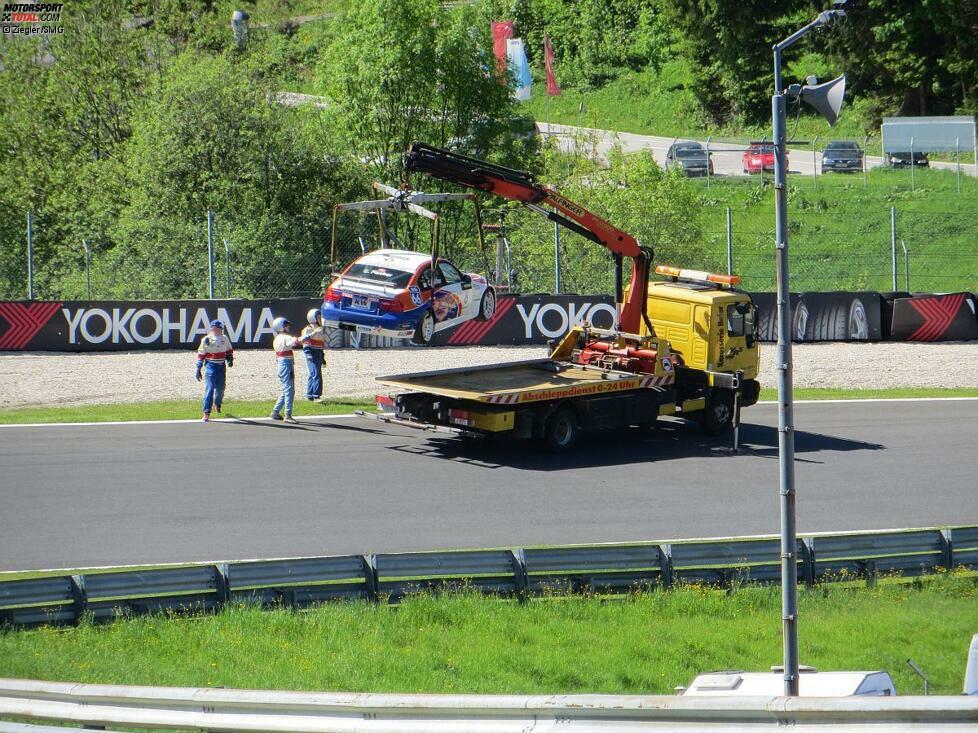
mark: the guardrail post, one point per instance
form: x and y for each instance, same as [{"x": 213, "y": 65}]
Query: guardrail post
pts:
[
  {"x": 221, "y": 585},
  {"x": 807, "y": 562},
  {"x": 79, "y": 596},
  {"x": 519, "y": 574},
  {"x": 370, "y": 577},
  {"x": 947, "y": 548},
  {"x": 665, "y": 565}
]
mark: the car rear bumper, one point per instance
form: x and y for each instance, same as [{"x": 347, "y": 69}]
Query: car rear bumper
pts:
[{"x": 396, "y": 325}]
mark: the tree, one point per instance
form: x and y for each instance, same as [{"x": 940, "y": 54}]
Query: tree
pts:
[{"x": 425, "y": 74}]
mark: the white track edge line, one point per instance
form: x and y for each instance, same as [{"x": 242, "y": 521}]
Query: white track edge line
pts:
[{"x": 300, "y": 420}]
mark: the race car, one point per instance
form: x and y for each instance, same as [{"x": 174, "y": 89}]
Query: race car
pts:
[{"x": 391, "y": 292}]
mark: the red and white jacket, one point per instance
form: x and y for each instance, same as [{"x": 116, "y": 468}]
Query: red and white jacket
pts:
[
  {"x": 283, "y": 344},
  {"x": 215, "y": 349},
  {"x": 313, "y": 337}
]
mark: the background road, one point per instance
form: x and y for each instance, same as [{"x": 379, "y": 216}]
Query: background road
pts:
[
  {"x": 727, "y": 157},
  {"x": 121, "y": 494}
]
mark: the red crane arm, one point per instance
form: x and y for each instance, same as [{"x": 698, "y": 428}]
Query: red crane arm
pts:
[{"x": 519, "y": 186}]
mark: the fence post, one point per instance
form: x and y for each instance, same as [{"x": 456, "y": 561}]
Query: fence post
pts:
[
  {"x": 729, "y": 241},
  {"x": 521, "y": 580},
  {"x": 708, "y": 161},
  {"x": 913, "y": 165},
  {"x": 957, "y": 159},
  {"x": 807, "y": 562},
  {"x": 371, "y": 578},
  {"x": 227, "y": 267},
  {"x": 556, "y": 259},
  {"x": 665, "y": 565},
  {"x": 79, "y": 596},
  {"x": 893, "y": 239},
  {"x": 210, "y": 252},
  {"x": 221, "y": 585},
  {"x": 865, "y": 153},
  {"x": 30, "y": 256},
  {"x": 88, "y": 267},
  {"x": 814, "y": 167}
]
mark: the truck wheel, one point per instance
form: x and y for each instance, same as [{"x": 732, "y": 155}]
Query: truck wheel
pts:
[
  {"x": 718, "y": 415},
  {"x": 425, "y": 329},
  {"x": 561, "y": 430}
]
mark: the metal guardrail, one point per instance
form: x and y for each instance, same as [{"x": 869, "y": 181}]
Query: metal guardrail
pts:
[
  {"x": 518, "y": 573},
  {"x": 98, "y": 706}
]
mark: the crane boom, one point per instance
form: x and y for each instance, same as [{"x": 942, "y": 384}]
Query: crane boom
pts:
[{"x": 517, "y": 185}]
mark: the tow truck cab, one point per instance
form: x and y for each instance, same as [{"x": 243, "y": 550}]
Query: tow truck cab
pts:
[{"x": 713, "y": 329}]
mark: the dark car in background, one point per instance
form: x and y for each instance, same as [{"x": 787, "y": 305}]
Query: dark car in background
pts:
[
  {"x": 689, "y": 157},
  {"x": 905, "y": 159},
  {"x": 843, "y": 156}
]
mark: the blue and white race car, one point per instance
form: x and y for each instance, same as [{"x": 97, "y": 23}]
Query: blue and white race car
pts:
[{"x": 392, "y": 292}]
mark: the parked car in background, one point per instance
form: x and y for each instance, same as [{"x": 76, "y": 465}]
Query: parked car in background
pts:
[
  {"x": 689, "y": 157},
  {"x": 391, "y": 292},
  {"x": 843, "y": 156},
  {"x": 759, "y": 157},
  {"x": 904, "y": 159}
]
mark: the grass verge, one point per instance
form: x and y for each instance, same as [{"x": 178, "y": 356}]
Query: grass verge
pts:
[
  {"x": 190, "y": 409},
  {"x": 169, "y": 410},
  {"x": 642, "y": 644}
]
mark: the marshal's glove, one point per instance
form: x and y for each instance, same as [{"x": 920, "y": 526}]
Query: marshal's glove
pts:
[
  {"x": 230, "y": 360},
  {"x": 197, "y": 372}
]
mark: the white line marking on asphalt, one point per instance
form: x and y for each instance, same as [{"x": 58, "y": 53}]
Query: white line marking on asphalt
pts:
[
  {"x": 169, "y": 422},
  {"x": 874, "y": 399}
]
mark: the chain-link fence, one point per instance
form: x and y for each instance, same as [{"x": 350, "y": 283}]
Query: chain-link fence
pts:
[{"x": 883, "y": 249}]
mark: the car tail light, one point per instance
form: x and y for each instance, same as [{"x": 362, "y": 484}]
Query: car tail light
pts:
[
  {"x": 392, "y": 305},
  {"x": 332, "y": 296}
]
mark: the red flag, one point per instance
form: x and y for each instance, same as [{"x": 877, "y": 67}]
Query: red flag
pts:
[
  {"x": 553, "y": 88},
  {"x": 502, "y": 31}
]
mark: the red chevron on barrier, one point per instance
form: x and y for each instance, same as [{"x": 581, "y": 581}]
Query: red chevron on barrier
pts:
[
  {"x": 474, "y": 331},
  {"x": 937, "y": 313},
  {"x": 23, "y": 322}
]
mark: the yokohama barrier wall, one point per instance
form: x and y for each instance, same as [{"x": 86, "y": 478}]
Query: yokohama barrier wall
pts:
[{"x": 523, "y": 319}]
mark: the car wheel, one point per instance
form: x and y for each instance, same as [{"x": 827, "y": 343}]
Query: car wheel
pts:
[
  {"x": 425, "y": 330},
  {"x": 561, "y": 430},
  {"x": 718, "y": 415},
  {"x": 487, "y": 307}
]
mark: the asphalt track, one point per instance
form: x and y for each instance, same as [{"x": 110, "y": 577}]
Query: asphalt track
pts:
[{"x": 73, "y": 496}]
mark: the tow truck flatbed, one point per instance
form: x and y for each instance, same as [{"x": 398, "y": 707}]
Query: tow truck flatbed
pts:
[{"x": 523, "y": 382}]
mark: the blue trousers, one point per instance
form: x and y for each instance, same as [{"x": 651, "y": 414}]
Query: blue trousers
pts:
[
  {"x": 314, "y": 360},
  {"x": 215, "y": 375},
  {"x": 286, "y": 375}
]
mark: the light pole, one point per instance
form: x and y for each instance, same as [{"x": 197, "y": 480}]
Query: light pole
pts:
[{"x": 786, "y": 437}]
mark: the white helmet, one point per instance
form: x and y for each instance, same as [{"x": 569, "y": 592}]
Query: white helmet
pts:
[
  {"x": 313, "y": 316},
  {"x": 279, "y": 324}
]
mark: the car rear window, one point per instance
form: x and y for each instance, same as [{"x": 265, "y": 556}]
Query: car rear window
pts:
[
  {"x": 843, "y": 146},
  {"x": 757, "y": 149},
  {"x": 389, "y": 276},
  {"x": 690, "y": 152}
]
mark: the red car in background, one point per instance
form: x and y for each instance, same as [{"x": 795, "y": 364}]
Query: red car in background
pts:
[{"x": 759, "y": 157}]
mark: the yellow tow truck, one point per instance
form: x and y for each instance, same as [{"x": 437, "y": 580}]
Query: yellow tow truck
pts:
[{"x": 682, "y": 347}]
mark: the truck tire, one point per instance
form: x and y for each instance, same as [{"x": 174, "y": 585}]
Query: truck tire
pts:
[
  {"x": 717, "y": 417},
  {"x": 560, "y": 432}
]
